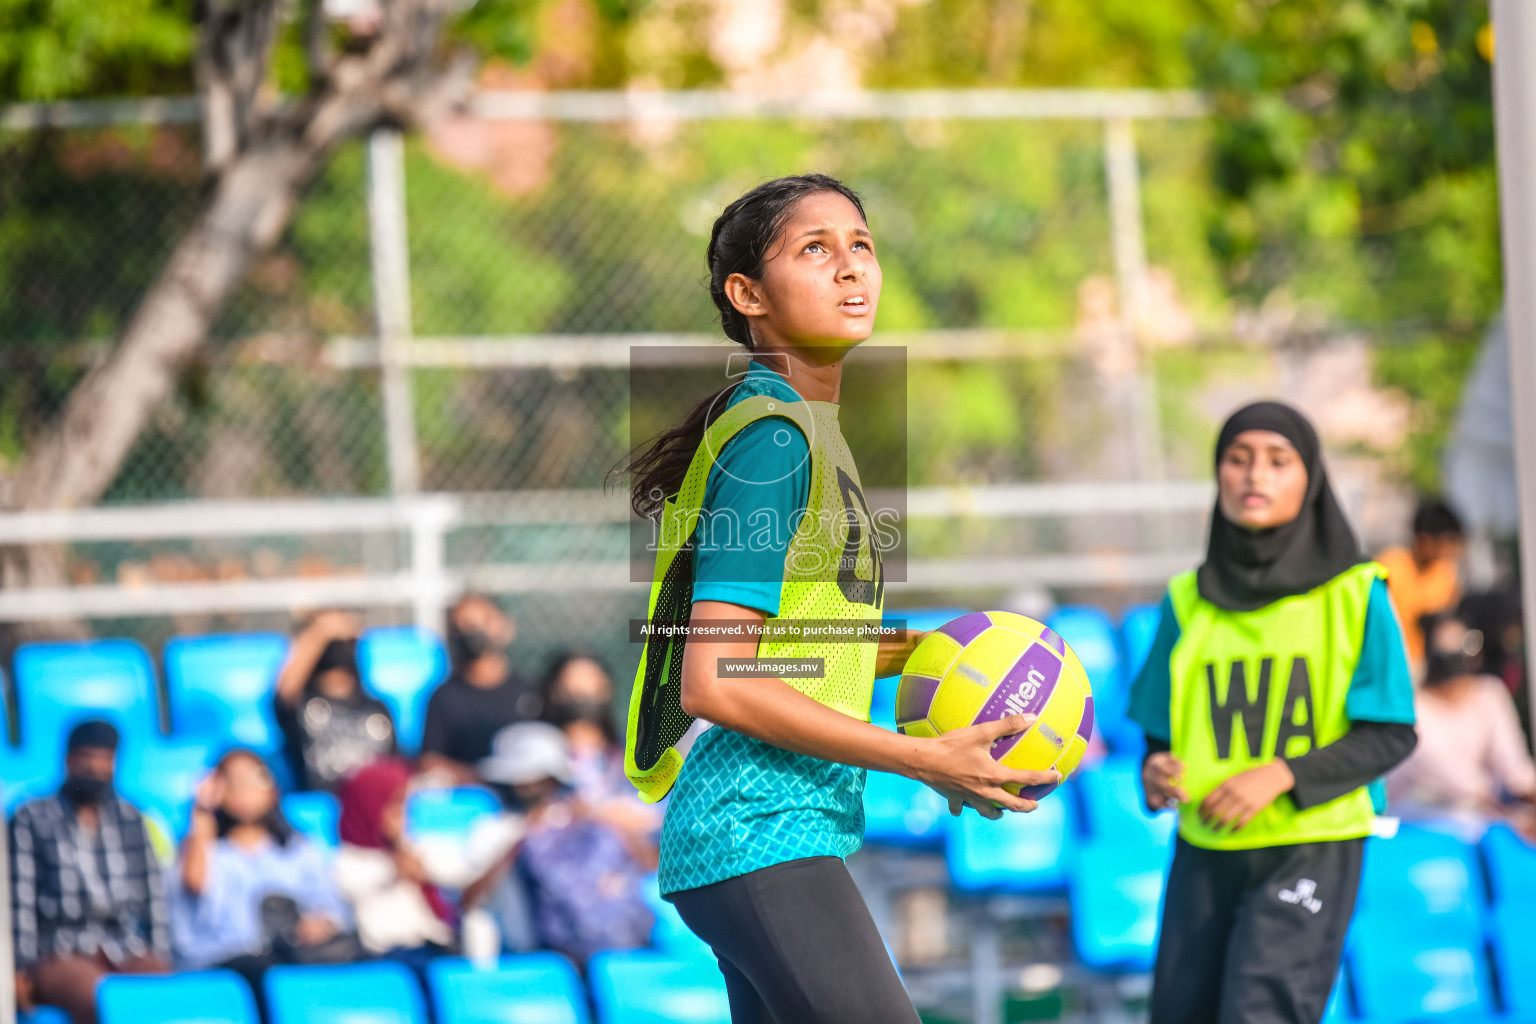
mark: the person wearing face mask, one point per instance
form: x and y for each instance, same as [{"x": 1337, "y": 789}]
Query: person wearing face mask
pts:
[
  {"x": 1276, "y": 694},
  {"x": 331, "y": 725},
  {"x": 577, "y": 695},
  {"x": 481, "y": 696},
  {"x": 572, "y": 880},
  {"x": 1471, "y": 760},
  {"x": 87, "y": 895},
  {"x": 249, "y": 891}
]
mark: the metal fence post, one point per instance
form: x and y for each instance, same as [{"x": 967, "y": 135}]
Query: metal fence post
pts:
[
  {"x": 1130, "y": 252},
  {"x": 1514, "y": 108},
  {"x": 391, "y": 267},
  {"x": 430, "y": 517}
]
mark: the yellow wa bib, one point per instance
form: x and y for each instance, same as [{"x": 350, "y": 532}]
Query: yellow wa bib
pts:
[
  {"x": 1250, "y": 686},
  {"x": 832, "y": 572}
]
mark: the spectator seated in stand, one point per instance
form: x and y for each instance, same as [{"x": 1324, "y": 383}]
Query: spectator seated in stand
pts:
[
  {"x": 249, "y": 891},
  {"x": 400, "y": 911},
  {"x": 578, "y": 698},
  {"x": 331, "y": 725},
  {"x": 576, "y": 875},
  {"x": 86, "y": 890},
  {"x": 1425, "y": 577},
  {"x": 481, "y": 696},
  {"x": 1471, "y": 760}
]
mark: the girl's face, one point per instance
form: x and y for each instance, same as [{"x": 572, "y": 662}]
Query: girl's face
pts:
[
  {"x": 583, "y": 679},
  {"x": 821, "y": 282},
  {"x": 1262, "y": 480},
  {"x": 336, "y": 683},
  {"x": 249, "y": 793}
]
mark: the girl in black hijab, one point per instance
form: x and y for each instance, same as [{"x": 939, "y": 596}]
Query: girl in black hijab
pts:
[
  {"x": 1276, "y": 694},
  {"x": 1246, "y": 568}
]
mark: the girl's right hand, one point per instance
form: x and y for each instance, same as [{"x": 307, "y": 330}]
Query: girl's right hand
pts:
[
  {"x": 1160, "y": 776},
  {"x": 205, "y": 805},
  {"x": 960, "y": 766}
]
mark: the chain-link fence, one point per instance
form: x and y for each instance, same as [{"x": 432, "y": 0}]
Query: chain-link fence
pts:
[{"x": 1046, "y": 340}]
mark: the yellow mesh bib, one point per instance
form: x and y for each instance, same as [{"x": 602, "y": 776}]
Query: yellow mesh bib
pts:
[
  {"x": 1250, "y": 686},
  {"x": 832, "y": 572}
]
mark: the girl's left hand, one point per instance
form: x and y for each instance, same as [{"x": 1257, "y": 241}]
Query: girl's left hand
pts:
[{"x": 1234, "y": 803}]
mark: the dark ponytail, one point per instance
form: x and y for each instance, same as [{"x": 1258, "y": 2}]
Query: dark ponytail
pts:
[{"x": 739, "y": 243}]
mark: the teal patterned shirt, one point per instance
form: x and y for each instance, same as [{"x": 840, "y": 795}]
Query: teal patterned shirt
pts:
[{"x": 740, "y": 804}]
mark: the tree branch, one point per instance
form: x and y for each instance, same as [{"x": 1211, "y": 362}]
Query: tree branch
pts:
[
  {"x": 234, "y": 50},
  {"x": 317, "y": 49},
  {"x": 261, "y": 172}
]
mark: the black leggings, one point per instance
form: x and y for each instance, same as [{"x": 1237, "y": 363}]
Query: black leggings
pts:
[
  {"x": 1254, "y": 936},
  {"x": 797, "y": 946}
]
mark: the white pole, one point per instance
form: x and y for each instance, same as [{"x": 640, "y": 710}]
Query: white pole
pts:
[
  {"x": 1514, "y": 107},
  {"x": 431, "y": 517},
  {"x": 1129, "y": 244},
  {"x": 392, "y": 302}
]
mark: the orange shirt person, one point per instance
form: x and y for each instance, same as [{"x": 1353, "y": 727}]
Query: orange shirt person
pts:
[{"x": 1426, "y": 577}]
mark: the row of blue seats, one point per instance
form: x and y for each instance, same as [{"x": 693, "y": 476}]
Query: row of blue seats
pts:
[
  {"x": 1442, "y": 928},
  {"x": 626, "y": 988},
  {"x": 219, "y": 694},
  {"x": 1423, "y": 946},
  {"x": 218, "y": 691}
]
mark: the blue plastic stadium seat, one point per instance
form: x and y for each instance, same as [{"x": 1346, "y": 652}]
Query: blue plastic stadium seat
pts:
[
  {"x": 902, "y": 812},
  {"x": 1116, "y": 894},
  {"x": 196, "y": 998},
  {"x": 1016, "y": 853},
  {"x": 538, "y": 988},
  {"x": 670, "y": 935},
  {"x": 1511, "y": 867},
  {"x": 448, "y": 813},
  {"x": 161, "y": 779},
  {"x": 402, "y": 665},
  {"x": 1091, "y": 634},
  {"x": 1337, "y": 1008},
  {"x": 1404, "y": 973},
  {"x": 1514, "y": 953},
  {"x": 315, "y": 815},
  {"x": 59, "y": 684},
  {"x": 43, "y": 1015},
  {"x": 650, "y": 988},
  {"x": 1113, "y": 808},
  {"x": 380, "y": 992},
  {"x": 1421, "y": 875},
  {"x": 23, "y": 774},
  {"x": 220, "y": 689},
  {"x": 1137, "y": 628},
  {"x": 882, "y": 702}
]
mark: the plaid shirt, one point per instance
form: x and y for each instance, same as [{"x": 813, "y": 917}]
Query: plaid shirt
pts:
[{"x": 74, "y": 892}]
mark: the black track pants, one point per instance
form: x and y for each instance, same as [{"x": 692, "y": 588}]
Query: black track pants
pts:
[
  {"x": 797, "y": 946},
  {"x": 1254, "y": 936}
]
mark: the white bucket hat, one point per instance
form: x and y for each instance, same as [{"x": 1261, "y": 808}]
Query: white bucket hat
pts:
[{"x": 526, "y": 752}]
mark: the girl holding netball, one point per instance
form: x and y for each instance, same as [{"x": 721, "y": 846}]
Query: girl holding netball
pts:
[
  {"x": 769, "y": 799},
  {"x": 1276, "y": 694}
]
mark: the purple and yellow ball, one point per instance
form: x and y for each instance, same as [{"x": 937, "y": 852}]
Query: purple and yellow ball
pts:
[{"x": 987, "y": 665}]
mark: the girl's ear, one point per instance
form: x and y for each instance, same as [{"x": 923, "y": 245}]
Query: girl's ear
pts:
[{"x": 746, "y": 295}]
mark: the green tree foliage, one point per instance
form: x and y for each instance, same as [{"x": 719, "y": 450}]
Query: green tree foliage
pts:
[
  {"x": 1348, "y": 170},
  {"x": 50, "y": 49},
  {"x": 1353, "y": 165}
]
